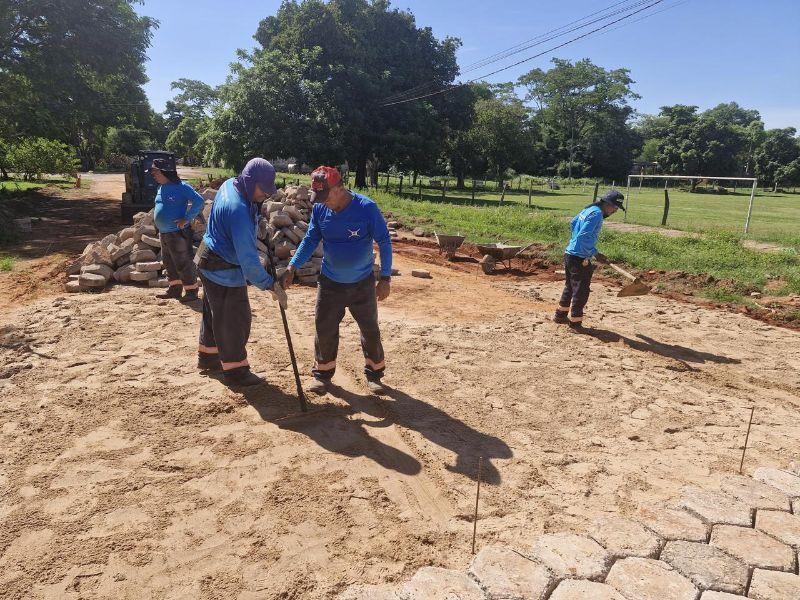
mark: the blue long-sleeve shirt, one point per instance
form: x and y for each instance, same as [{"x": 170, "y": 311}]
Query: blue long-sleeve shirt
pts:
[
  {"x": 175, "y": 201},
  {"x": 347, "y": 238},
  {"x": 231, "y": 234},
  {"x": 586, "y": 228}
]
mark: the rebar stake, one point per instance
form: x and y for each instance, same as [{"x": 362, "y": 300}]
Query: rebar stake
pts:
[
  {"x": 477, "y": 497},
  {"x": 747, "y": 437}
]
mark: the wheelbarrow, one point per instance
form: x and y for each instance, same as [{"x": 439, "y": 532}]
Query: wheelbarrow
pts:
[
  {"x": 502, "y": 252},
  {"x": 448, "y": 244}
]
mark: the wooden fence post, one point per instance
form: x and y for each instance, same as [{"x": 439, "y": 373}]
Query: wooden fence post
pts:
[
  {"x": 503, "y": 195},
  {"x": 666, "y": 207},
  {"x": 596, "y": 188},
  {"x": 420, "y": 188},
  {"x": 473, "y": 190},
  {"x": 444, "y": 189},
  {"x": 387, "y": 182},
  {"x": 400, "y": 191},
  {"x": 530, "y": 191}
]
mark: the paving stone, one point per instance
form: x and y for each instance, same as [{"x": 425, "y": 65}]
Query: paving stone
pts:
[
  {"x": 720, "y": 596},
  {"x": 578, "y": 589},
  {"x": 123, "y": 274},
  {"x": 572, "y": 556},
  {"x": 672, "y": 524},
  {"x": 774, "y": 585},
  {"x": 418, "y": 231},
  {"x": 709, "y": 568},
  {"x": 104, "y": 270},
  {"x": 623, "y": 537},
  {"x": 369, "y": 592},
  {"x": 713, "y": 507},
  {"x": 151, "y": 240},
  {"x": 648, "y": 579},
  {"x": 796, "y": 506},
  {"x": 149, "y": 266},
  {"x": 142, "y": 256},
  {"x": 421, "y": 273},
  {"x": 754, "y": 493},
  {"x": 783, "y": 480},
  {"x": 435, "y": 583},
  {"x": 506, "y": 575},
  {"x": 780, "y": 525},
  {"x": 92, "y": 280},
  {"x": 143, "y": 275},
  {"x": 158, "y": 283},
  {"x": 73, "y": 287},
  {"x": 753, "y": 547}
]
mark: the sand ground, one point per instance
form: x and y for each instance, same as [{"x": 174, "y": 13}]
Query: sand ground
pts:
[{"x": 126, "y": 474}]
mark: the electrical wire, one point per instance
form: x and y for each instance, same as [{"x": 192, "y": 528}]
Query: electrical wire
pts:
[{"x": 528, "y": 59}]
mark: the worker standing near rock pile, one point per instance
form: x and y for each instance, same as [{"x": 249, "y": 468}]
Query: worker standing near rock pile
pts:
[
  {"x": 176, "y": 206},
  {"x": 347, "y": 224},
  {"x": 228, "y": 261},
  {"x": 579, "y": 256}
]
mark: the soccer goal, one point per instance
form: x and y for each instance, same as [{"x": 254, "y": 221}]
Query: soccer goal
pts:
[{"x": 691, "y": 179}]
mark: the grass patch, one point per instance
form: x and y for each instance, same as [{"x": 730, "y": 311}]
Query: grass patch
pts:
[
  {"x": 6, "y": 263},
  {"x": 719, "y": 254}
]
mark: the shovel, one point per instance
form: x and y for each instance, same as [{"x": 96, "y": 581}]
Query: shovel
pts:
[{"x": 635, "y": 288}]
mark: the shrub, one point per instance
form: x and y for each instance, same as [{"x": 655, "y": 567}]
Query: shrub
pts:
[{"x": 34, "y": 156}]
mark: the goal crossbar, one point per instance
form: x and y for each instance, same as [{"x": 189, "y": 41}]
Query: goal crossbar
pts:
[{"x": 754, "y": 181}]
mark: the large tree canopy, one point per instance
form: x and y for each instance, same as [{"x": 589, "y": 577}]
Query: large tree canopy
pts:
[{"x": 71, "y": 68}]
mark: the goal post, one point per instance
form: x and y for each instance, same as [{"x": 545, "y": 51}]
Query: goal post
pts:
[{"x": 753, "y": 180}]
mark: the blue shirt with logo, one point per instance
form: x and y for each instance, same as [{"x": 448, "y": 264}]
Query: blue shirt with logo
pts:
[
  {"x": 173, "y": 202},
  {"x": 347, "y": 238},
  {"x": 586, "y": 228},
  {"x": 231, "y": 235}
]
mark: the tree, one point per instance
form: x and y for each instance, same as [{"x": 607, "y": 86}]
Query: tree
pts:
[
  {"x": 349, "y": 57},
  {"x": 789, "y": 174},
  {"x": 575, "y": 102},
  {"x": 128, "y": 140},
  {"x": 779, "y": 148},
  {"x": 69, "y": 69},
  {"x": 34, "y": 156}
]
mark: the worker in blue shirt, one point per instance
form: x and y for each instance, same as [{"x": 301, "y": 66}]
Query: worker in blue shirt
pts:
[
  {"x": 579, "y": 256},
  {"x": 228, "y": 261},
  {"x": 347, "y": 224},
  {"x": 176, "y": 206}
]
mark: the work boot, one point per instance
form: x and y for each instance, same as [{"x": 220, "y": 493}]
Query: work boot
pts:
[
  {"x": 576, "y": 326},
  {"x": 376, "y": 387},
  {"x": 560, "y": 317},
  {"x": 173, "y": 292},
  {"x": 189, "y": 296},
  {"x": 318, "y": 386},
  {"x": 242, "y": 377},
  {"x": 208, "y": 362}
]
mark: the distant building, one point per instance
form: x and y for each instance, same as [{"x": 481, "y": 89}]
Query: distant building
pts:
[{"x": 644, "y": 168}]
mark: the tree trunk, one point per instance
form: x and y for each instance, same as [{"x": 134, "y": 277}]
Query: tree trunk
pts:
[
  {"x": 414, "y": 181},
  {"x": 361, "y": 172},
  {"x": 460, "y": 181}
]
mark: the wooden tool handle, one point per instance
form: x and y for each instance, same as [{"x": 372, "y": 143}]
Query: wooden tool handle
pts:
[{"x": 622, "y": 271}]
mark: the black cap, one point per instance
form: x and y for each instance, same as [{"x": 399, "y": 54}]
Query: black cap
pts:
[
  {"x": 162, "y": 164},
  {"x": 614, "y": 197}
]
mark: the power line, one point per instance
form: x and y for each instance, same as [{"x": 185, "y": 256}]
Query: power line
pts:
[
  {"x": 526, "y": 45},
  {"x": 530, "y": 58}
]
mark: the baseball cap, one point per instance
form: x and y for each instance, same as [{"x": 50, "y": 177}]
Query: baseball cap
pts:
[
  {"x": 614, "y": 197},
  {"x": 162, "y": 164}
]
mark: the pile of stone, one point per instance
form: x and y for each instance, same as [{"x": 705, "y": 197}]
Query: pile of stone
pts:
[{"x": 133, "y": 255}]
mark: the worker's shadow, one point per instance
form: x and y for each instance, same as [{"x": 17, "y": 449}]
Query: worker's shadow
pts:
[
  {"x": 648, "y": 344},
  {"x": 330, "y": 425},
  {"x": 437, "y": 426}
]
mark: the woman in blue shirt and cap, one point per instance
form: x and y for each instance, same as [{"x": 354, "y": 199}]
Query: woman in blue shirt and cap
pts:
[
  {"x": 579, "y": 255},
  {"x": 228, "y": 261}
]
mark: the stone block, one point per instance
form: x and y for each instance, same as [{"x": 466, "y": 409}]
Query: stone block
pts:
[
  {"x": 753, "y": 547},
  {"x": 754, "y": 493},
  {"x": 290, "y": 235},
  {"x": 123, "y": 251},
  {"x": 74, "y": 286},
  {"x": 781, "y": 525},
  {"x": 648, "y": 579},
  {"x": 158, "y": 283},
  {"x": 623, "y": 537},
  {"x": 293, "y": 213},
  {"x": 98, "y": 255},
  {"x": 578, "y": 589},
  {"x": 713, "y": 507},
  {"x": 152, "y": 241},
  {"x": 419, "y": 231},
  {"x": 720, "y": 596},
  {"x": 774, "y": 585},
  {"x": 108, "y": 241},
  {"x": 435, "y": 583},
  {"x": 393, "y": 224},
  {"x": 143, "y": 275},
  {"x": 369, "y": 592},
  {"x": 796, "y": 506},
  {"x": 126, "y": 234},
  {"x": 672, "y": 524},
  {"x": 123, "y": 274},
  {"x": 572, "y": 556},
  {"x": 138, "y": 256},
  {"x": 786, "y": 482},
  {"x": 421, "y": 273},
  {"x": 506, "y": 575},
  {"x": 92, "y": 280},
  {"x": 103, "y": 270},
  {"x": 280, "y": 219},
  {"x": 149, "y": 266},
  {"x": 709, "y": 568}
]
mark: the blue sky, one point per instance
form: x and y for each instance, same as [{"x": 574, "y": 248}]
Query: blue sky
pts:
[{"x": 700, "y": 52}]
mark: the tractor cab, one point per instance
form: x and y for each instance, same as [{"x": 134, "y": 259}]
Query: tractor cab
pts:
[{"x": 140, "y": 187}]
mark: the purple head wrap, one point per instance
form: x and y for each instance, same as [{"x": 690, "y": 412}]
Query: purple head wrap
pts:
[{"x": 257, "y": 171}]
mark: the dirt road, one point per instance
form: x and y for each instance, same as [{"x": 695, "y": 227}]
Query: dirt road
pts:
[{"x": 126, "y": 474}]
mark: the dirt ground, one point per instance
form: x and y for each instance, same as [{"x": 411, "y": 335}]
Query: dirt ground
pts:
[{"x": 126, "y": 474}]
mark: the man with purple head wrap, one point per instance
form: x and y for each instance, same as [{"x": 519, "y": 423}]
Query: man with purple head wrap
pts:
[{"x": 229, "y": 261}]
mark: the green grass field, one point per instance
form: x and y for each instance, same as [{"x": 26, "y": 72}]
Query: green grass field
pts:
[{"x": 14, "y": 186}]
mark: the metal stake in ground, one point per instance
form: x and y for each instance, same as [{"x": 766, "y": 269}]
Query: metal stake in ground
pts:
[
  {"x": 747, "y": 437},
  {"x": 477, "y": 497}
]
